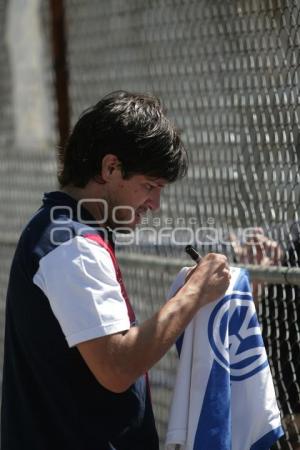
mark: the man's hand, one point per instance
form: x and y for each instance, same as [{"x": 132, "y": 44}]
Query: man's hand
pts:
[
  {"x": 258, "y": 249},
  {"x": 209, "y": 280}
]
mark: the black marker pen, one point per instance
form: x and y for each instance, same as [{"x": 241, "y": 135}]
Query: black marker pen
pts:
[{"x": 193, "y": 253}]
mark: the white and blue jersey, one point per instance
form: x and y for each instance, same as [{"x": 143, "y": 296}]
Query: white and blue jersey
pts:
[
  {"x": 224, "y": 397},
  {"x": 66, "y": 287}
]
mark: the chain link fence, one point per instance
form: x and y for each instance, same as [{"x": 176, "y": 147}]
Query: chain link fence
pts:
[{"x": 228, "y": 74}]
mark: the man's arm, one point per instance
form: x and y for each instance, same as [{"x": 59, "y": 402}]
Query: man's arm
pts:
[{"x": 118, "y": 360}]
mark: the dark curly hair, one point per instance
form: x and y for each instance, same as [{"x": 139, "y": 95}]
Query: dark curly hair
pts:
[{"x": 131, "y": 126}]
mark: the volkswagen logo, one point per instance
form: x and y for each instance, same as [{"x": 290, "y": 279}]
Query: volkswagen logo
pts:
[{"x": 235, "y": 336}]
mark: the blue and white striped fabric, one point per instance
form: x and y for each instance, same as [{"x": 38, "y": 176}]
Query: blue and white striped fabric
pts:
[{"x": 224, "y": 396}]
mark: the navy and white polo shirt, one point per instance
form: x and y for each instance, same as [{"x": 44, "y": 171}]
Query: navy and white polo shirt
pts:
[{"x": 66, "y": 287}]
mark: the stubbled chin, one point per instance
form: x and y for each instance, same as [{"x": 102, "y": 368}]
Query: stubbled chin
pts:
[{"x": 127, "y": 230}]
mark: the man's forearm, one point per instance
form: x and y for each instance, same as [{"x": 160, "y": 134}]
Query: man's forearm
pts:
[
  {"x": 118, "y": 360},
  {"x": 141, "y": 347}
]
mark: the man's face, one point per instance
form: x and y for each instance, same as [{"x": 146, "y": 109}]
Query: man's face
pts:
[{"x": 129, "y": 199}]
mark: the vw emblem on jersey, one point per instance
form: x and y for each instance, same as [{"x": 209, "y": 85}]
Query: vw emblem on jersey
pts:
[{"x": 235, "y": 337}]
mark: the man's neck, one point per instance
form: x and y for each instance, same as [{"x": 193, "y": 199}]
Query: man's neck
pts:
[{"x": 88, "y": 195}]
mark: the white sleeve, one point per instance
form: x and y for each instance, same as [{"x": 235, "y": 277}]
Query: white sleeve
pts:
[{"x": 79, "y": 280}]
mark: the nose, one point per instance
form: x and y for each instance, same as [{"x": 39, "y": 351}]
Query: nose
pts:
[{"x": 154, "y": 200}]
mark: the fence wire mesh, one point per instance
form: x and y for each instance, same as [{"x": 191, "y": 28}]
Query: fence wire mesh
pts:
[{"x": 228, "y": 73}]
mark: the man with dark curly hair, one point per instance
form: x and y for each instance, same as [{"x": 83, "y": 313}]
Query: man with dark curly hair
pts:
[{"x": 75, "y": 360}]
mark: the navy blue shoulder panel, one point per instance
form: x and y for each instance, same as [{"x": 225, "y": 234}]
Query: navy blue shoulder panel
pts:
[{"x": 55, "y": 223}]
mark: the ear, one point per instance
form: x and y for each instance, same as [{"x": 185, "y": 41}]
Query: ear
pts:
[{"x": 110, "y": 164}]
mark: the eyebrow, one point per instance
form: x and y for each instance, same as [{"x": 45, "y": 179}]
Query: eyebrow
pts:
[{"x": 158, "y": 184}]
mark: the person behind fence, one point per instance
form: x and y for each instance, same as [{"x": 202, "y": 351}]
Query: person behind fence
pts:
[
  {"x": 279, "y": 312},
  {"x": 76, "y": 362}
]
